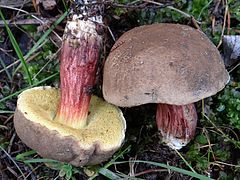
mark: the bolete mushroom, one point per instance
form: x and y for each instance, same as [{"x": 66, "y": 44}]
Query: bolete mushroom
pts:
[
  {"x": 59, "y": 124},
  {"x": 170, "y": 64}
]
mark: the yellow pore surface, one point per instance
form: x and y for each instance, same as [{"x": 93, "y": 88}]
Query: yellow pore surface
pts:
[{"x": 106, "y": 124}]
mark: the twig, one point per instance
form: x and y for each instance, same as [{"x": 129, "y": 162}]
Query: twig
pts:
[
  {"x": 14, "y": 3},
  {"x": 228, "y": 22},
  {"x": 214, "y": 16},
  {"x": 23, "y": 3},
  {"x": 220, "y": 131},
  {"x": 3, "y": 175},
  {"x": 3, "y": 127},
  {"x": 35, "y": 17},
  {"x": 173, "y": 8},
  {"x": 150, "y": 171},
  {"x": 227, "y": 164},
  {"x": 213, "y": 24},
  {"x": 209, "y": 143},
  {"x": 132, "y": 169},
  {"x": 200, "y": 14},
  {"x": 18, "y": 61},
  {"x": 131, "y": 5},
  {"x": 32, "y": 171},
  {"x": 194, "y": 21},
  {"x": 111, "y": 33},
  {"x": 50, "y": 59},
  {"x": 231, "y": 129},
  {"x": 216, "y": 7},
  {"x": 179, "y": 154},
  {"x": 224, "y": 23},
  {"x": 231, "y": 70},
  {"x": 131, "y": 166},
  {"x": 11, "y": 142},
  {"x": 17, "y": 9},
  {"x": 206, "y": 146},
  {"x": 25, "y": 22},
  {"x": 7, "y": 72},
  {"x": 12, "y": 171},
  {"x": 8, "y": 155},
  {"x": 140, "y": 6}
]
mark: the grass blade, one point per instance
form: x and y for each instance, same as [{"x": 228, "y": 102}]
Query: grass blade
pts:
[
  {"x": 107, "y": 173},
  {"x": 22, "y": 156},
  {"x": 65, "y": 5},
  {"x": 18, "y": 92},
  {"x": 17, "y": 50},
  {"x": 176, "y": 169},
  {"x": 45, "y": 35},
  {"x": 184, "y": 160},
  {"x": 118, "y": 155},
  {"x": 40, "y": 161},
  {"x": 43, "y": 38},
  {"x": 6, "y": 112},
  {"x": 9, "y": 156},
  {"x": 6, "y": 70}
]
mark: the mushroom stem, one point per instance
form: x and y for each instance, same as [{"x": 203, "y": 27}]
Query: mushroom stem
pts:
[
  {"x": 177, "y": 124},
  {"x": 79, "y": 56}
]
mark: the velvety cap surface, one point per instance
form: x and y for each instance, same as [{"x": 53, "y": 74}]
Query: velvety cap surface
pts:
[{"x": 162, "y": 63}]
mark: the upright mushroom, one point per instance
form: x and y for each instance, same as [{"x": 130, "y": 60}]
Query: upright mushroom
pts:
[
  {"x": 61, "y": 125},
  {"x": 170, "y": 64}
]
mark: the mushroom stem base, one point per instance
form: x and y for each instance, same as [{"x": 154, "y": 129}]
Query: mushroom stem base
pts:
[
  {"x": 177, "y": 124},
  {"x": 73, "y": 115}
]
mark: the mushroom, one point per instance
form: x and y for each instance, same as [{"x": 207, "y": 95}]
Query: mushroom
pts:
[
  {"x": 69, "y": 125},
  {"x": 170, "y": 64}
]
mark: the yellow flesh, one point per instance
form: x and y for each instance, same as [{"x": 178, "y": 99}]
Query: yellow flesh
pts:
[{"x": 106, "y": 124}]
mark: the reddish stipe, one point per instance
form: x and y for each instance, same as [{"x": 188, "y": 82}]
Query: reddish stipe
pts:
[
  {"x": 79, "y": 58},
  {"x": 176, "y": 122}
]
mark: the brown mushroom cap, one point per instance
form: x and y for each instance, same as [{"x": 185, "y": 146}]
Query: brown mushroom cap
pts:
[
  {"x": 162, "y": 63},
  {"x": 92, "y": 144}
]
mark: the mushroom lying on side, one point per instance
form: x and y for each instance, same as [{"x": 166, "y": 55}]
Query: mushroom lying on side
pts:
[
  {"x": 171, "y": 64},
  {"x": 61, "y": 125}
]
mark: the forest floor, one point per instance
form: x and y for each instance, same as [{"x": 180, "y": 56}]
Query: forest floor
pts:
[{"x": 31, "y": 39}]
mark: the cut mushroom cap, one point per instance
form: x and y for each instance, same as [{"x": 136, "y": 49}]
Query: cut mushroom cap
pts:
[
  {"x": 72, "y": 126},
  {"x": 162, "y": 63},
  {"x": 95, "y": 143}
]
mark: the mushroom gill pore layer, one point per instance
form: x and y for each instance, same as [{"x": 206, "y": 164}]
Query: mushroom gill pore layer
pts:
[{"x": 35, "y": 125}]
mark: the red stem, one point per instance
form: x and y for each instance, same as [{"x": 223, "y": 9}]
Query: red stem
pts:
[
  {"x": 178, "y": 122},
  {"x": 79, "y": 58}
]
